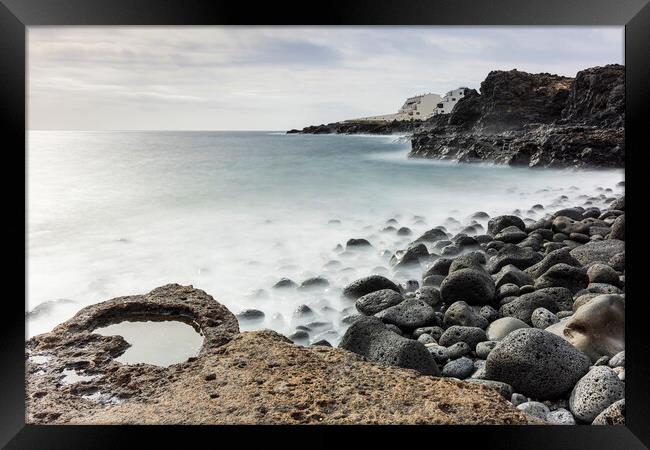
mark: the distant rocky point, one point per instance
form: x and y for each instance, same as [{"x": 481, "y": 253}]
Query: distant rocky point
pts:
[{"x": 362, "y": 127}]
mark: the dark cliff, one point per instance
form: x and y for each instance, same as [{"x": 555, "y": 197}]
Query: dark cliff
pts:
[
  {"x": 536, "y": 120},
  {"x": 361, "y": 127}
]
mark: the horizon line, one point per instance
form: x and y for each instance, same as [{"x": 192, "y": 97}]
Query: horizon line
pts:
[{"x": 147, "y": 129}]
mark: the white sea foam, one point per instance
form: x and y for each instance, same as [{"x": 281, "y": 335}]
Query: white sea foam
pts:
[{"x": 114, "y": 214}]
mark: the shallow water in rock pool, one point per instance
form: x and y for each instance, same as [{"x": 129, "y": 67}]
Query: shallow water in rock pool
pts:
[
  {"x": 161, "y": 343},
  {"x": 120, "y": 213}
]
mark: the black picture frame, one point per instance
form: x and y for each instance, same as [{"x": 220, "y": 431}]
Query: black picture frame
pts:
[{"x": 16, "y": 15}]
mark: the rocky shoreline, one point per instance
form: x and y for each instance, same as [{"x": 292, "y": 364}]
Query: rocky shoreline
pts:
[
  {"x": 522, "y": 119},
  {"x": 362, "y": 127},
  {"x": 518, "y": 321}
]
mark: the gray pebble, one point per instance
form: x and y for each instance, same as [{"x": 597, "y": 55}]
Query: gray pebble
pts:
[
  {"x": 535, "y": 409},
  {"x": 618, "y": 360},
  {"x": 439, "y": 353},
  {"x": 517, "y": 399},
  {"x": 594, "y": 392},
  {"x": 457, "y": 350},
  {"x": 459, "y": 368},
  {"x": 560, "y": 416},
  {"x": 426, "y": 339},
  {"x": 483, "y": 349},
  {"x": 542, "y": 318},
  {"x": 470, "y": 335}
]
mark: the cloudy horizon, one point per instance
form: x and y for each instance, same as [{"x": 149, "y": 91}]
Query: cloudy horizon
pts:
[{"x": 277, "y": 78}]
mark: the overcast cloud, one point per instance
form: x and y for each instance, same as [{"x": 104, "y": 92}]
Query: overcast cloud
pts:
[{"x": 276, "y": 78}]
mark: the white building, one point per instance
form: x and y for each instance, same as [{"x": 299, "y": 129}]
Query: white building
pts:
[
  {"x": 449, "y": 100},
  {"x": 420, "y": 107}
]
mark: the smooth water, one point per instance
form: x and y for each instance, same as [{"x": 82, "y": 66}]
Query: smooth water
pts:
[
  {"x": 161, "y": 343},
  {"x": 120, "y": 213}
]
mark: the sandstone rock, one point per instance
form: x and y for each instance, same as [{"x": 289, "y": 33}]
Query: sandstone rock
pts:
[
  {"x": 237, "y": 378},
  {"x": 597, "y": 328},
  {"x": 502, "y": 388}
]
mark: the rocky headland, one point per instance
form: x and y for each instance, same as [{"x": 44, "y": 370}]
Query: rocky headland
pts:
[
  {"x": 536, "y": 120},
  {"x": 362, "y": 127},
  {"x": 512, "y": 321},
  {"x": 522, "y": 119}
]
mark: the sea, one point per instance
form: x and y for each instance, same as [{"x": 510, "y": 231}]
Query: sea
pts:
[{"x": 114, "y": 213}]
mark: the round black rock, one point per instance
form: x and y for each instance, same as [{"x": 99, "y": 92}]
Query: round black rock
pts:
[
  {"x": 536, "y": 363},
  {"x": 469, "y": 335},
  {"x": 370, "y": 338},
  {"x": 367, "y": 285},
  {"x": 374, "y": 302},
  {"x": 410, "y": 314},
  {"x": 476, "y": 287}
]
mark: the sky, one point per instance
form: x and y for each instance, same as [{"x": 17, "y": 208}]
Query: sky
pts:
[{"x": 277, "y": 78}]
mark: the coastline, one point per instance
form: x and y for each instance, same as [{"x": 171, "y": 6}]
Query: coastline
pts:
[
  {"x": 521, "y": 119},
  {"x": 413, "y": 319}
]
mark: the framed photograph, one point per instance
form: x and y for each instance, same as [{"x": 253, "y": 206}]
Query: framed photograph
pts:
[{"x": 375, "y": 214}]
